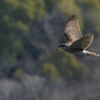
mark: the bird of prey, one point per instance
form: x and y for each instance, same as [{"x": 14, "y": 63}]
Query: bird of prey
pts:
[{"x": 76, "y": 42}]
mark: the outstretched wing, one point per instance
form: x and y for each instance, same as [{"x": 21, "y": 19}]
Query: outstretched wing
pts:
[
  {"x": 72, "y": 30},
  {"x": 83, "y": 42}
]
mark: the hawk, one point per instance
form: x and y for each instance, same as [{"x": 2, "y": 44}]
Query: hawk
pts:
[{"x": 76, "y": 42}]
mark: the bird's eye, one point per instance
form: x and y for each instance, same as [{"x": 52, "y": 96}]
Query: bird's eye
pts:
[{"x": 62, "y": 45}]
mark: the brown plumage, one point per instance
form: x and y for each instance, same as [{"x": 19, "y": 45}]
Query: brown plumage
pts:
[
  {"x": 76, "y": 42},
  {"x": 84, "y": 42},
  {"x": 72, "y": 30}
]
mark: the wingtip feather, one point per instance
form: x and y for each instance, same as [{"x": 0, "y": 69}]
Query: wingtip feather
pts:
[{"x": 71, "y": 18}]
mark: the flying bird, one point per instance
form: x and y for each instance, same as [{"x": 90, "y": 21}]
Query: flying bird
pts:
[{"x": 76, "y": 42}]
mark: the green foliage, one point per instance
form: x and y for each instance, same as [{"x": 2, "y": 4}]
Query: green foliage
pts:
[
  {"x": 90, "y": 4},
  {"x": 18, "y": 74},
  {"x": 50, "y": 5},
  {"x": 69, "y": 7},
  {"x": 90, "y": 10},
  {"x": 24, "y": 33},
  {"x": 68, "y": 66},
  {"x": 49, "y": 70},
  {"x": 26, "y": 9},
  {"x": 16, "y": 15}
]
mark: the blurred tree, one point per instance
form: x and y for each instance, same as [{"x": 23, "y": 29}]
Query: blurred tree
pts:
[
  {"x": 29, "y": 31},
  {"x": 16, "y": 15},
  {"x": 68, "y": 66},
  {"x": 69, "y": 7},
  {"x": 48, "y": 70},
  {"x": 50, "y": 5},
  {"x": 90, "y": 11}
]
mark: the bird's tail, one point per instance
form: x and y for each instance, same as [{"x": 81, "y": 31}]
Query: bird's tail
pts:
[{"x": 93, "y": 53}]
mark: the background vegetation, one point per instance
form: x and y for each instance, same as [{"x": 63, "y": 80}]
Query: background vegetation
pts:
[{"x": 31, "y": 65}]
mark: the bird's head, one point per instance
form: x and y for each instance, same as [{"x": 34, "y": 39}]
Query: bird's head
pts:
[{"x": 63, "y": 46}]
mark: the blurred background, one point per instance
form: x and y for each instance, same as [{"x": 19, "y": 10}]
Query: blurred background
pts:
[{"x": 31, "y": 65}]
